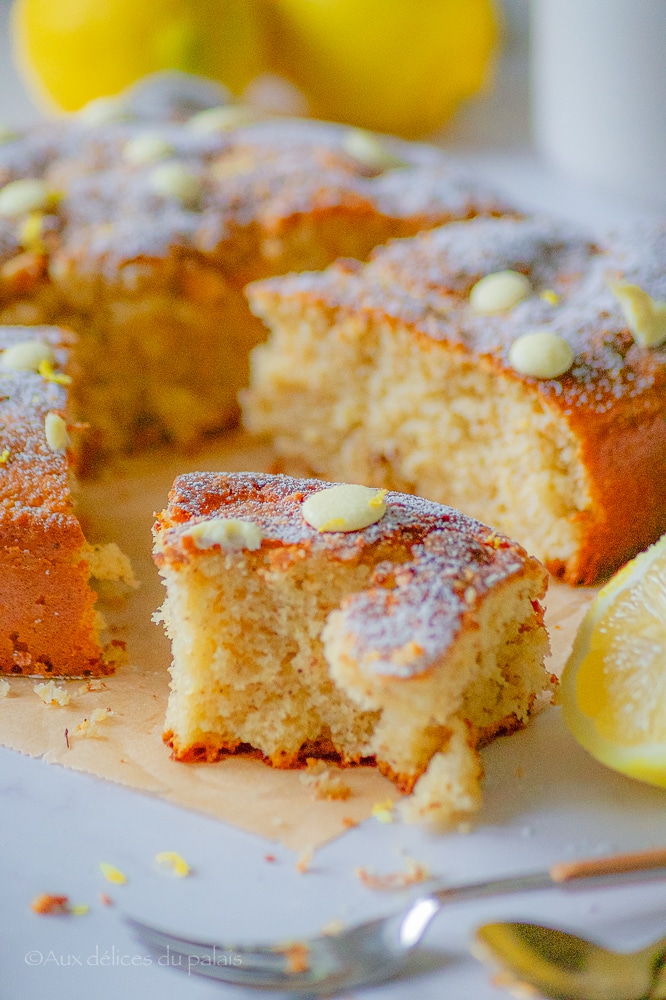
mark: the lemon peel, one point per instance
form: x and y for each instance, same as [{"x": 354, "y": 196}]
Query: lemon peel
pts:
[
  {"x": 112, "y": 874},
  {"x": 613, "y": 689},
  {"x": 174, "y": 863}
]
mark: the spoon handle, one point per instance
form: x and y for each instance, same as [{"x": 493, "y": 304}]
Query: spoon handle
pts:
[{"x": 568, "y": 871}]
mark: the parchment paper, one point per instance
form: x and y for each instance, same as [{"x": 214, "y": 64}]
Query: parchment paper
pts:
[{"x": 128, "y": 748}]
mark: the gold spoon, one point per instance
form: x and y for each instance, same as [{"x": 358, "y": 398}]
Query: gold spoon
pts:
[{"x": 541, "y": 960}]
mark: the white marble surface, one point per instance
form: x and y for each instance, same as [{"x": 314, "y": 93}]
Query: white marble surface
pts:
[{"x": 58, "y": 825}]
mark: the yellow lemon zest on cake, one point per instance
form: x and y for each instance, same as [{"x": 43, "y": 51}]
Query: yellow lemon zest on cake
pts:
[
  {"x": 383, "y": 811},
  {"x": 548, "y": 295},
  {"x": 48, "y": 373},
  {"x": 4, "y": 456},
  {"x": 174, "y": 863},
  {"x": 645, "y": 316},
  {"x": 614, "y": 686},
  {"x": 112, "y": 874}
]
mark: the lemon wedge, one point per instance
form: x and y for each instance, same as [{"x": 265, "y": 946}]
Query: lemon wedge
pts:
[{"x": 614, "y": 684}]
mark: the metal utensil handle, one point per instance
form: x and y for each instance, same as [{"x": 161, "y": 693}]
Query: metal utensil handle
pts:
[{"x": 567, "y": 871}]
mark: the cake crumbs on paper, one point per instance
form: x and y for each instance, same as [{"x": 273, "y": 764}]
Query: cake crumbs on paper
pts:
[
  {"x": 47, "y": 904},
  {"x": 270, "y": 857},
  {"x": 105, "y": 899},
  {"x": 414, "y": 872},
  {"x": 90, "y": 727},
  {"x": 322, "y": 782},
  {"x": 4, "y": 688},
  {"x": 112, "y": 874},
  {"x": 52, "y": 694},
  {"x": 383, "y": 811},
  {"x": 94, "y": 684},
  {"x": 304, "y": 860},
  {"x": 349, "y": 823},
  {"x": 173, "y": 863}
]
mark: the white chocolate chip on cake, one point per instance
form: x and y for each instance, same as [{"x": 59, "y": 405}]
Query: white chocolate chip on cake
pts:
[
  {"x": 499, "y": 292},
  {"x": 541, "y": 354},
  {"x": 173, "y": 180},
  {"x": 231, "y": 534},
  {"x": 344, "y": 508},
  {"x": 222, "y": 119},
  {"x": 27, "y": 195},
  {"x": 27, "y": 356},
  {"x": 369, "y": 150},
  {"x": 646, "y": 317},
  {"x": 55, "y": 428},
  {"x": 102, "y": 111},
  {"x": 146, "y": 148}
]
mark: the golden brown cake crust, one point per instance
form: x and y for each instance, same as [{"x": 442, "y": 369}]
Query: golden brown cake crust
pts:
[
  {"x": 613, "y": 399},
  {"x": 47, "y": 617}
]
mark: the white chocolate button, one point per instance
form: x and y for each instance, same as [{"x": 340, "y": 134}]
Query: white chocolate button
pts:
[
  {"x": 147, "y": 148},
  {"x": 344, "y": 508},
  {"x": 499, "y": 292},
  {"x": 55, "y": 427},
  {"x": 102, "y": 111},
  {"x": 173, "y": 180},
  {"x": 27, "y": 356},
  {"x": 20, "y": 197},
  {"x": 231, "y": 534},
  {"x": 646, "y": 318},
  {"x": 541, "y": 354},
  {"x": 222, "y": 119},
  {"x": 369, "y": 150}
]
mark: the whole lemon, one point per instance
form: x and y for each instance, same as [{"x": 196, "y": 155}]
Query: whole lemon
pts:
[
  {"x": 72, "y": 51},
  {"x": 398, "y": 66}
]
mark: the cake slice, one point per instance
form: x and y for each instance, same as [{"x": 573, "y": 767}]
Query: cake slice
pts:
[
  {"x": 419, "y": 372},
  {"x": 383, "y": 628},
  {"x": 48, "y": 622}
]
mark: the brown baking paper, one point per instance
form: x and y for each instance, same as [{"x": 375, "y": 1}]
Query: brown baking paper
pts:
[{"x": 127, "y": 747}]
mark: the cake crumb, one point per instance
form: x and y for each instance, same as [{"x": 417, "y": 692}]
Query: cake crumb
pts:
[
  {"x": 322, "y": 782},
  {"x": 90, "y": 727},
  {"x": 333, "y": 928},
  {"x": 105, "y": 899},
  {"x": 52, "y": 694},
  {"x": 298, "y": 957},
  {"x": 270, "y": 858},
  {"x": 304, "y": 860},
  {"x": 4, "y": 688},
  {"x": 46, "y": 904},
  {"x": 414, "y": 872},
  {"x": 92, "y": 685},
  {"x": 349, "y": 823}
]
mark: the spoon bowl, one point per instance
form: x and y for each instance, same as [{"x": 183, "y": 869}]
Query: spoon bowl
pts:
[{"x": 566, "y": 967}]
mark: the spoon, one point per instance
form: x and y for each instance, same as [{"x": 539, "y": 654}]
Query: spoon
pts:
[{"x": 555, "y": 964}]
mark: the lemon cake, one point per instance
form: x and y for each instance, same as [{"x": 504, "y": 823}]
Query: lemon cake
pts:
[
  {"x": 349, "y": 623},
  {"x": 48, "y": 622},
  {"x": 137, "y": 222},
  {"x": 503, "y": 366}
]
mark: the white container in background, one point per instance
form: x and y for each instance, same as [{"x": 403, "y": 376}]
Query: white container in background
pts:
[{"x": 598, "y": 80}]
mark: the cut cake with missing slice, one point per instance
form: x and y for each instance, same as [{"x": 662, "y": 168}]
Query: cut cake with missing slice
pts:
[
  {"x": 411, "y": 641},
  {"x": 390, "y": 374},
  {"x": 48, "y": 622}
]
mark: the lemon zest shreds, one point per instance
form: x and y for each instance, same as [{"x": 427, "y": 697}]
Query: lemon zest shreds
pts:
[
  {"x": 173, "y": 863},
  {"x": 79, "y": 910},
  {"x": 383, "y": 811},
  {"x": 4, "y": 456},
  {"x": 47, "y": 371},
  {"x": 112, "y": 874}
]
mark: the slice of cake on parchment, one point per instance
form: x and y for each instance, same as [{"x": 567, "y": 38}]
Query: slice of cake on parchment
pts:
[{"x": 340, "y": 622}]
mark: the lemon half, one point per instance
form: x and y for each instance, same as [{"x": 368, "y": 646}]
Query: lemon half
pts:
[{"x": 614, "y": 683}]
